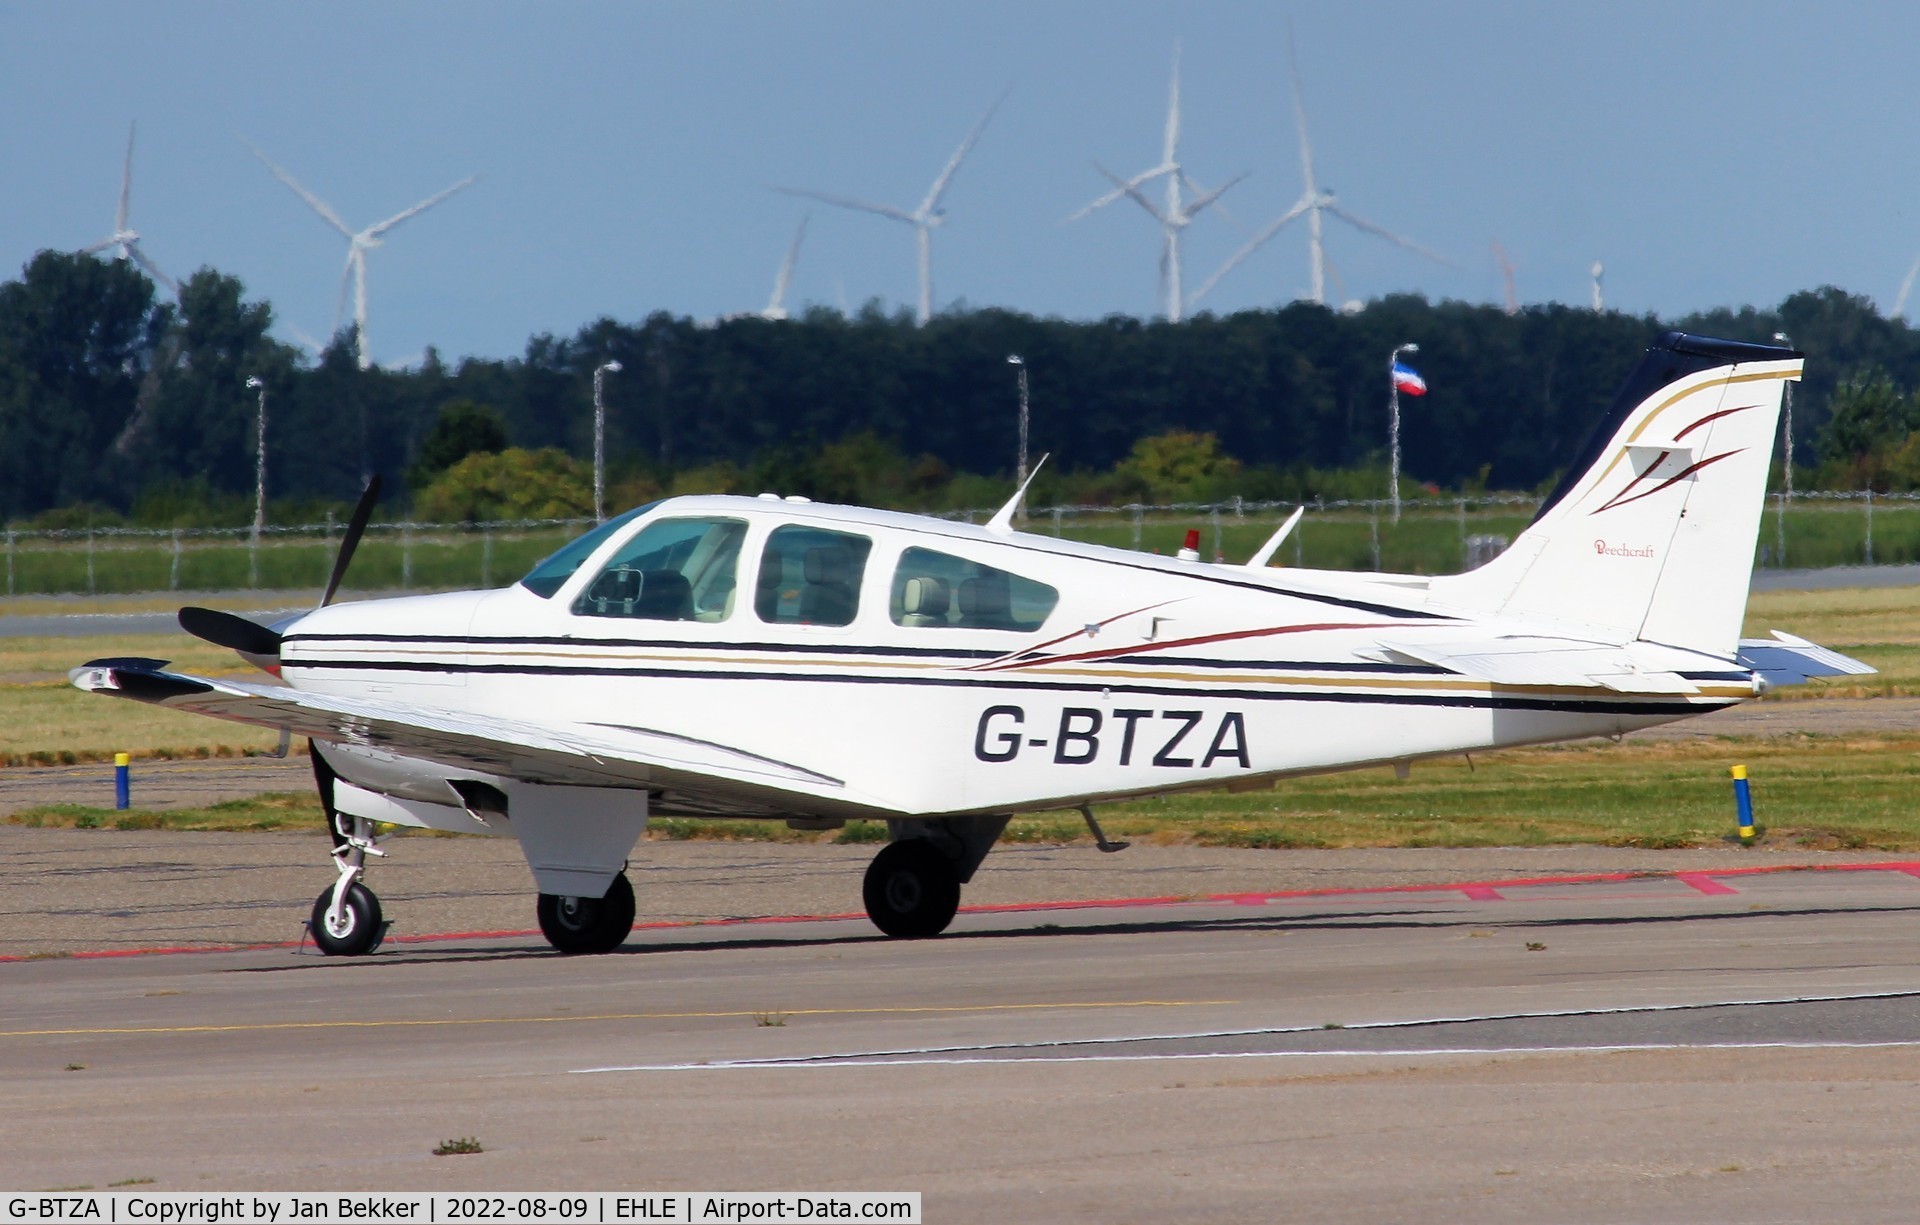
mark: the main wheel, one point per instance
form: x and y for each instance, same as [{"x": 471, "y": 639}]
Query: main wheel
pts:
[
  {"x": 588, "y": 924},
  {"x": 911, "y": 889},
  {"x": 359, "y": 930}
]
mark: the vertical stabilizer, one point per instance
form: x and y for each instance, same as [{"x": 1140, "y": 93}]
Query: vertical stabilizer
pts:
[{"x": 1651, "y": 534}]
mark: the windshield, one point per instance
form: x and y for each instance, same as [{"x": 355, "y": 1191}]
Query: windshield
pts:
[{"x": 552, "y": 574}]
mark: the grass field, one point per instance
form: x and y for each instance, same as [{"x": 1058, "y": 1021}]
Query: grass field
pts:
[{"x": 1821, "y": 793}]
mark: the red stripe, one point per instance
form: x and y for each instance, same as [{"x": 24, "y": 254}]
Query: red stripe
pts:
[
  {"x": 1725, "y": 412},
  {"x": 1706, "y": 880},
  {"x": 1620, "y": 499},
  {"x": 1147, "y": 648}
]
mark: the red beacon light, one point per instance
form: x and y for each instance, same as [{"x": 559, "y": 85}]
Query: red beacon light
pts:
[{"x": 1190, "y": 551}]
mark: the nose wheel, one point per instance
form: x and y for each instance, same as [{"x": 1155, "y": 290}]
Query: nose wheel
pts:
[
  {"x": 912, "y": 889},
  {"x": 353, "y": 928},
  {"x": 588, "y": 924}
]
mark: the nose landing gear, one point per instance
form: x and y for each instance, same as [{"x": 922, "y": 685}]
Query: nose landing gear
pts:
[{"x": 346, "y": 918}]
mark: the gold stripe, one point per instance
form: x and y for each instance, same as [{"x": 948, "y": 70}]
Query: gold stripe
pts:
[{"x": 1785, "y": 376}]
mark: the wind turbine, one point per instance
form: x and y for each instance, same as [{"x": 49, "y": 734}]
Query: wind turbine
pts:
[
  {"x": 358, "y": 244},
  {"x": 922, "y": 219},
  {"x": 1315, "y": 203},
  {"x": 777, "y": 304},
  {"x": 1175, "y": 215},
  {"x": 128, "y": 240}
]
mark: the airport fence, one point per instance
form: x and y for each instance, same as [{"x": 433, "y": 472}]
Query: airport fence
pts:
[{"x": 1431, "y": 536}]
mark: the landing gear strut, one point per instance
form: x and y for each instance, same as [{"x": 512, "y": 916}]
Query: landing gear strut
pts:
[
  {"x": 588, "y": 924},
  {"x": 346, "y": 918}
]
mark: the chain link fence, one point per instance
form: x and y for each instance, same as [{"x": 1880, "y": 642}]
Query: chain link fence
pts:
[{"x": 1431, "y": 536}]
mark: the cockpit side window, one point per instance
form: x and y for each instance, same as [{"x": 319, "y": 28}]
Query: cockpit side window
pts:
[
  {"x": 673, "y": 570},
  {"x": 553, "y": 572},
  {"x": 938, "y": 590},
  {"x": 811, "y": 576}
]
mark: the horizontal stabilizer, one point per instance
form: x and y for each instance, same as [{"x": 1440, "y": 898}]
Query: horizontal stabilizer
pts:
[
  {"x": 720, "y": 777},
  {"x": 1787, "y": 660}
]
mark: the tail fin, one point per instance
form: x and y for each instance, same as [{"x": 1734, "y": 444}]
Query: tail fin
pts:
[{"x": 1651, "y": 534}]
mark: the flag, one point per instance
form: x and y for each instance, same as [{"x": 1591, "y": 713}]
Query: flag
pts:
[{"x": 1407, "y": 380}]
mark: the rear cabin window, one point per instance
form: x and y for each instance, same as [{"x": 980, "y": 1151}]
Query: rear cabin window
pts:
[
  {"x": 936, "y": 589},
  {"x": 810, "y": 576},
  {"x": 674, "y": 570}
]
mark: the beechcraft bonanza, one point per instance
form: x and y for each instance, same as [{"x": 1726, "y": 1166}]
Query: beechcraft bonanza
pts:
[{"x": 774, "y": 659}]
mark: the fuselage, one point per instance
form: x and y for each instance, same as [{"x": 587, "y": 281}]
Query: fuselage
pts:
[{"x": 941, "y": 668}]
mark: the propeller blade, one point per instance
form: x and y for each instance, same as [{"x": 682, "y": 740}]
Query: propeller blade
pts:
[
  {"x": 356, "y": 527},
  {"x": 236, "y": 633}
]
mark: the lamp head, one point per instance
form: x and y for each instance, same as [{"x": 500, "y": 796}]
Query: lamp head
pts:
[
  {"x": 255, "y": 382},
  {"x": 1014, "y": 359},
  {"x": 613, "y": 367}
]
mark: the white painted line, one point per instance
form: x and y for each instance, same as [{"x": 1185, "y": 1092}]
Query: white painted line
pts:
[
  {"x": 830, "y": 1061},
  {"x": 976, "y": 1053}
]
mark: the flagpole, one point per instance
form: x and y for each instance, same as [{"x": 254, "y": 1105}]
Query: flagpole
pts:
[{"x": 1393, "y": 427}]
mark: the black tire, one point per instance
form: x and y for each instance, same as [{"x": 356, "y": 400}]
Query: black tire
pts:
[
  {"x": 585, "y": 924},
  {"x": 911, "y": 890},
  {"x": 360, "y": 929}
]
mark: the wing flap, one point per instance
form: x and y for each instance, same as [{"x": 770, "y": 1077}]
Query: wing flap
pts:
[{"x": 574, "y": 754}]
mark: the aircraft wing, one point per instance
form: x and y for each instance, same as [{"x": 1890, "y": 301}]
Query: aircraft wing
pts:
[{"x": 694, "y": 775}]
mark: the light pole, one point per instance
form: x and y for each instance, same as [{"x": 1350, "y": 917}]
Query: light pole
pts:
[
  {"x": 259, "y": 462},
  {"x": 1393, "y": 427},
  {"x": 1786, "y": 460},
  {"x": 1014, "y": 359},
  {"x": 600, "y": 438}
]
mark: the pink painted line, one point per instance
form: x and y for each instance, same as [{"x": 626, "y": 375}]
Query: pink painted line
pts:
[
  {"x": 1701, "y": 882},
  {"x": 1705, "y": 880}
]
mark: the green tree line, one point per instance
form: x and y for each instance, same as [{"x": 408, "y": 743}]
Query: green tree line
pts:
[{"x": 117, "y": 402}]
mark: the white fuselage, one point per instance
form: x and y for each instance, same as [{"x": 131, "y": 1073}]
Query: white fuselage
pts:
[{"x": 1148, "y": 675}]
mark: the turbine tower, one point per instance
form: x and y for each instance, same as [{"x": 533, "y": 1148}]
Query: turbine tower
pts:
[
  {"x": 358, "y": 244},
  {"x": 777, "y": 304},
  {"x": 1906, "y": 287},
  {"x": 924, "y": 218},
  {"x": 1599, "y": 300},
  {"x": 126, "y": 238},
  {"x": 1316, "y": 203},
  {"x": 1176, "y": 214}
]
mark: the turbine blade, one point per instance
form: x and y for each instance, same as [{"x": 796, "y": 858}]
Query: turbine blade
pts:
[
  {"x": 885, "y": 210},
  {"x": 1252, "y": 244},
  {"x": 1121, "y": 189},
  {"x": 126, "y": 184},
  {"x": 381, "y": 227},
  {"x": 959, "y": 155},
  {"x": 314, "y": 202},
  {"x": 1170, "y": 149},
  {"x": 152, "y": 269},
  {"x": 1899, "y": 302},
  {"x": 1300, "y": 111},
  {"x": 104, "y": 243},
  {"x": 1369, "y": 227},
  {"x": 1199, "y": 202},
  {"x": 1131, "y": 189},
  {"x": 780, "y": 282},
  {"x": 1218, "y": 206}
]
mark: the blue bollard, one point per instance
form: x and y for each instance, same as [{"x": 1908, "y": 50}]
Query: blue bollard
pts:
[
  {"x": 122, "y": 784},
  {"x": 1743, "y": 803}
]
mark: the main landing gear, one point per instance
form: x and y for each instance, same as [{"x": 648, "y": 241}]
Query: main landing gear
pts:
[
  {"x": 587, "y": 924},
  {"x": 912, "y": 887}
]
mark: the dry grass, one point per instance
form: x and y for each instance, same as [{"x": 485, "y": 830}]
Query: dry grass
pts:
[{"x": 1877, "y": 625}]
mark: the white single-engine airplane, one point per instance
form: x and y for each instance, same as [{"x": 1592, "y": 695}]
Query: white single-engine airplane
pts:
[{"x": 781, "y": 660}]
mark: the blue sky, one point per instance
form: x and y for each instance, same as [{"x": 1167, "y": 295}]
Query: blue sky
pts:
[{"x": 1710, "y": 154}]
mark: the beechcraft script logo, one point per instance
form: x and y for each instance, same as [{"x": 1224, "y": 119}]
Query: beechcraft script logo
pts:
[{"x": 1640, "y": 486}]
